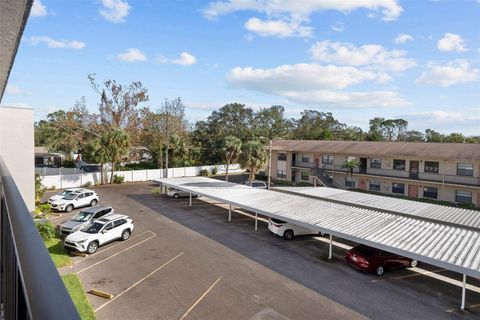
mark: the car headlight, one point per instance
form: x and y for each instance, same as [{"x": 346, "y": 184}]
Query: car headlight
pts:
[{"x": 81, "y": 241}]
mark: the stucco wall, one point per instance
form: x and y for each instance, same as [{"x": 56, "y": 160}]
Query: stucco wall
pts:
[{"x": 17, "y": 149}]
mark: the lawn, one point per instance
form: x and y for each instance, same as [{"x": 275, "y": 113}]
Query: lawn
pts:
[
  {"x": 77, "y": 293},
  {"x": 57, "y": 253}
]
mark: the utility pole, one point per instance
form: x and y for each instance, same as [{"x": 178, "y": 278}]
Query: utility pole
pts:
[
  {"x": 269, "y": 164},
  {"x": 166, "y": 133}
]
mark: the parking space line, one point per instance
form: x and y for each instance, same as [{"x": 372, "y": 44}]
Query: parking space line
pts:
[
  {"x": 473, "y": 306},
  {"x": 418, "y": 272},
  {"x": 139, "y": 281},
  {"x": 201, "y": 298},
  {"x": 335, "y": 243},
  {"x": 111, "y": 247},
  {"x": 116, "y": 254}
]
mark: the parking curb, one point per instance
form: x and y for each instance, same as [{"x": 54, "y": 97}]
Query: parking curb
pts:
[{"x": 101, "y": 294}]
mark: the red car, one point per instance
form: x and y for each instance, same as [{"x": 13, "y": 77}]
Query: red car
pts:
[{"x": 373, "y": 260}]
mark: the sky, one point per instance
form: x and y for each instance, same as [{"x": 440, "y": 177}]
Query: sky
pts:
[{"x": 359, "y": 59}]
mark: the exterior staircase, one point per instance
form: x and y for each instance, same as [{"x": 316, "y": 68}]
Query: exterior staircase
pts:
[{"x": 323, "y": 178}]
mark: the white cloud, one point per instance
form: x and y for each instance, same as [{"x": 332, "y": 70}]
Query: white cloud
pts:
[
  {"x": 451, "y": 42},
  {"x": 57, "y": 44},
  {"x": 185, "y": 59},
  {"x": 115, "y": 10},
  {"x": 452, "y": 72},
  {"x": 278, "y": 28},
  {"x": 38, "y": 9},
  {"x": 132, "y": 55},
  {"x": 370, "y": 55},
  {"x": 301, "y": 9},
  {"x": 13, "y": 89},
  {"x": 403, "y": 38},
  {"x": 445, "y": 116},
  {"x": 316, "y": 84},
  {"x": 338, "y": 27}
]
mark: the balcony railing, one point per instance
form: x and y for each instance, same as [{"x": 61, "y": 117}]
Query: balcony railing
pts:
[{"x": 31, "y": 287}]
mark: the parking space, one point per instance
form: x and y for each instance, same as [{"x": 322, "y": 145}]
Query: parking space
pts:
[{"x": 190, "y": 263}]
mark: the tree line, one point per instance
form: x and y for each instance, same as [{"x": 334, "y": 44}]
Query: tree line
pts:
[{"x": 232, "y": 133}]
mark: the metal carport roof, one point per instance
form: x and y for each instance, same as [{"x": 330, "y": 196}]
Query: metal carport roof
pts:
[{"x": 446, "y": 246}]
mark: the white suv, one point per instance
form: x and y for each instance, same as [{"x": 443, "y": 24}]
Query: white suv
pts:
[
  {"x": 288, "y": 230},
  {"x": 75, "y": 200},
  {"x": 100, "y": 232},
  {"x": 63, "y": 193}
]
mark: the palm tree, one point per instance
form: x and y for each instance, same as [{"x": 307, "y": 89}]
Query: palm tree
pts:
[
  {"x": 232, "y": 147},
  {"x": 253, "y": 157},
  {"x": 94, "y": 152},
  {"x": 116, "y": 143},
  {"x": 351, "y": 164}
]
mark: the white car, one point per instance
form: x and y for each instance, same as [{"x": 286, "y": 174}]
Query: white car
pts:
[
  {"x": 83, "y": 218},
  {"x": 288, "y": 230},
  {"x": 258, "y": 184},
  {"x": 62, "y": 194},
  {"x": 99, "y": 232},
  {"x": 175, "y": 193},
  {"x": 75, "y": 200}
]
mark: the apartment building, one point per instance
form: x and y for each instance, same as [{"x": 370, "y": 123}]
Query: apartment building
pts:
[{"x": 439, "y": 171}]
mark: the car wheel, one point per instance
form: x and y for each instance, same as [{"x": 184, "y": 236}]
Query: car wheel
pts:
[
  {"x": 69, "y": 208},
  {"x": 176, "y": 196},
  {"x": 93, "y": 202},
  {"x": 92, "y": 247},
  {"x": 125, "y": 234},
  {"x": 379, "y": 271},
  {"x": 413, "y": 263},
  {"x": 288, "y": 235}
]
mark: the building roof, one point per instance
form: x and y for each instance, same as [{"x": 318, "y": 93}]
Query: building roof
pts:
[
  {"x": 436, "y": 243},
  {"x": 424, "y": 150},
  {"x": 460, "y": 217}
]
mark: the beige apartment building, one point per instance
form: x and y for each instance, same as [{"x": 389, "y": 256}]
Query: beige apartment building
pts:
[{"x": 439, "y": 171}]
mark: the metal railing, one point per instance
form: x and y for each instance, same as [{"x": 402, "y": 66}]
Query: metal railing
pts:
[{"x": 31, "y": 287}]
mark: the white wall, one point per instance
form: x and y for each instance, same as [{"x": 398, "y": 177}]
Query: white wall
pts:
[
  {"x": 80, "y": 179},
  {"x": 17, "y": 149}
]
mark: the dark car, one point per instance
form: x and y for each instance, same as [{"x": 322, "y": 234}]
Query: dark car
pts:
[
  {"x": 90, "y": 168},
  {"x": 376, "y": 261}
]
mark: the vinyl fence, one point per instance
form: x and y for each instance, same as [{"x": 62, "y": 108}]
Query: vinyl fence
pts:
[{"x": 72, "y": 179}]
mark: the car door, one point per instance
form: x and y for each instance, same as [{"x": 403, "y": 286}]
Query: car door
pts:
[
  {"x": 390, "y": 260},
  {"x": 78, "y": 202},
  {"x": 118, "y": 226},
  {"x": 107, "y": 233},
  {"x": 86, "y": 198}
]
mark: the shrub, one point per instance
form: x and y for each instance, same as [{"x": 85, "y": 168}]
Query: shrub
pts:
[
  {"x": 203, "y": 173},
  {"x": 52, "y": 188},
  {"x": 155, "y": 191},
  {"x": 68, "y": 163},
  {"x": 46, "y": 229},
  {"x": 87, "y": 184},
  {"x": 214, "y": 170},
  {"x": 143, "y": 165},
  {"x": 118, "y": 179}
]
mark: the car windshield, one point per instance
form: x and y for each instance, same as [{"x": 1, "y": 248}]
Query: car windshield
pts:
[
  {"x": 93, "y": 227},
  {"x": 70, "y": 196},
  {"x": 64, "y": 193},
  {"x": 366, "y": 251},
  {"x": 82, "y": 216}
]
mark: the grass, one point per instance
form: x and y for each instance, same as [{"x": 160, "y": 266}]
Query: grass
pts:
[
  {"x": 57, "y": 253},
  {"x": 79, "y": 298}
]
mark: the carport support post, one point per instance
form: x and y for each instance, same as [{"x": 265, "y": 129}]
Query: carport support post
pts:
[
  {"x": 330, "y": 249},
  {"x": 462, "y": 307},
  {"x": 190, "y": 196},
  {"x": 256, "y": 220},
  {"x": 229, "y": 213}
]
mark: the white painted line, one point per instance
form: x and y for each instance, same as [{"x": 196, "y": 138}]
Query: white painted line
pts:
[
  {"x": 116, "y": 254},
  {"x": 139, "y": 281},
  {"x": 111, "y": 247},
  {"x": 200, "y": 299},
  {"x": 418, "y": 272}
]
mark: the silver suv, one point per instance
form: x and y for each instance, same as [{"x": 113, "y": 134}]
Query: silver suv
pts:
[{"x": 83, "y": 218}]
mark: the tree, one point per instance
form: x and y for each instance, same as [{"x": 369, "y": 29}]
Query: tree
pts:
[
  {"x": 413, "y": 136},
  {"x": 433, "y": 136},
  {"x": 95, "y": 152},
  {"x": 351, "y": 164},
  {"x": 116, "y": 143},
  {"x": 270, "y": 123},
  {"x": 455, "y": 137},
  {"x": 316, "y": 125},
  {"x": 253, "y": 157},
  {"x": 387, "y": 129},
  {"x": 232, "y": 147}
]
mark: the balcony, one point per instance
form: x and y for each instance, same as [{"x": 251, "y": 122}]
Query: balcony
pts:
[{"x": 31, "y": 287}]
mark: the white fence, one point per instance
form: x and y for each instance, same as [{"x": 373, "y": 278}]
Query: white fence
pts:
[{"x": 72, "y": 180}]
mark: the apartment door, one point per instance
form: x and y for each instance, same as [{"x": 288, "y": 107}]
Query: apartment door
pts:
[
  {"x": 412, "y": 190},
  {"x": 293, "y": 176},
  {"x": 413, "y": 169},
  {"x": 294, "y": 159},
  {"x": 362, "y": 167},
  {"x": 362, "y": 184}
]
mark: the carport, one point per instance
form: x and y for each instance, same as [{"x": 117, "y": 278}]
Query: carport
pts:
[{"x": 433, "y": 241}]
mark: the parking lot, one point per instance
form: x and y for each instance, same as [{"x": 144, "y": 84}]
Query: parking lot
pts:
[{"x": 190, "y": 263}]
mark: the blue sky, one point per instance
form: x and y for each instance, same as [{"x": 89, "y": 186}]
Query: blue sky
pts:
[{"x": 358, "y": 59}]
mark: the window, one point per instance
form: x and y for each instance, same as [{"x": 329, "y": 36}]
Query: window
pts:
[
  {"x": 305, "y": 175},
  {"x": 281, "y": 174},
  {"x": 463, "y": 196},
  {"x": 398, "y": 188},
  {"x": 398, "y": 164},
  {"x": 375, "y": 163},
  {"x": 374, "y": 185},
  {"x": 430, "y": 192},
  {"x": 465, "y": 169},
  {"x": 351, "y": 158},
  {"x": 431, "y": 166},
  {"x": 119, "y": 222},
  {"x": 349, "y": 182},
  {"x": 109, "y": 226},
  {"x": 282, "y": 157},
  {"x": 327, "y": 159},
  {"x": 305, "y": 158}
]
